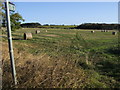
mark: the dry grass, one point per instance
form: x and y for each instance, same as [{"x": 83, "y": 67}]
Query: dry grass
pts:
[{"x": 42, "y": 71}]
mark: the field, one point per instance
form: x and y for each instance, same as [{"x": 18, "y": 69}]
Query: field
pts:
[{"x": 63, "y": 58}]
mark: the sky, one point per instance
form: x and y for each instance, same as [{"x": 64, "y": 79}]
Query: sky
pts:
[
  {"x": 68, "y": 13},
  {"x": 64, "y": 0}
]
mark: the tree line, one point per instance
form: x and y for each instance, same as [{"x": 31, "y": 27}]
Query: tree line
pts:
[
  {"x": 38, "y": 25},
  {"x": 98, "y": 26},
  {"x": 30, "y": 25},
  {"x": 82, "y": 26}
]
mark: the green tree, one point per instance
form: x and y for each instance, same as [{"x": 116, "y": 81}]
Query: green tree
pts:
[
  {"x": 2, "y": 14},
  {"x": 16, "y": 19}
]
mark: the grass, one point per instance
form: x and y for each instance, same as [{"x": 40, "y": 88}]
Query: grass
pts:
[{"x": 64, "y": 58}]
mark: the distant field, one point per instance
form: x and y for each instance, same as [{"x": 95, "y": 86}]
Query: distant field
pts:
[{"x": 64, "y": 58}]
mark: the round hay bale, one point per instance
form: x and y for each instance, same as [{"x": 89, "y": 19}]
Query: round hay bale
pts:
[
  {"x": 27, "y": 36},
  {"x": 107, "y": 30},
  {"x": 92, "y": 31},
  {"x": 114, "y": 33},
  {"x": 37, "y": 31},
  {"x": 102, "y": 30}
]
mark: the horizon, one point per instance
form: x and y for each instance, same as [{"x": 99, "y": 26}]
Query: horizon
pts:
[{"x": 71, "y": 24}]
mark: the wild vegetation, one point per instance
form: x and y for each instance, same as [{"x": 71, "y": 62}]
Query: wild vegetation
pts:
[{"x": 63, "y": 58}]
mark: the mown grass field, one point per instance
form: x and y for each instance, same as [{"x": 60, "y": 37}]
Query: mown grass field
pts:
[{"x": 63, "y": 58}]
